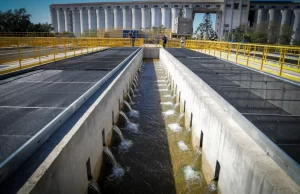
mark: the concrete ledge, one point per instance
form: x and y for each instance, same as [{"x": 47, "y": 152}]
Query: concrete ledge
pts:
[
  {"x": 245, "y": 166},
  {"x": 64, "y": 170}
]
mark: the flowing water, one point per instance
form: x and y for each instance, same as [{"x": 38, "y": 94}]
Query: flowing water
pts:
[
  {"x": 162, "y": 159},
  {"x": 132, "y": 113}
]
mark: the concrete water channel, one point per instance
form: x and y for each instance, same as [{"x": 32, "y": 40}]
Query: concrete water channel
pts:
[{"x": 165, "y": 121}]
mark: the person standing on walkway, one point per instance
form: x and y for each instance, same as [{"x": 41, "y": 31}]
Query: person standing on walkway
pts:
[
  {"x": 165, "y": 40},
  {"x": 182, "y": 41},
  {"x": 133, "y": 39}
]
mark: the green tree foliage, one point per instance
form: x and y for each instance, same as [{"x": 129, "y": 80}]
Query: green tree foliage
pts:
[
  {"x": 286, "y": 34},
  {"x": 19, "y": 21},
  {"x": 205, "y": 29},
  {"x": 14, "y": 21},
  {"x": 271, "y": 33}
]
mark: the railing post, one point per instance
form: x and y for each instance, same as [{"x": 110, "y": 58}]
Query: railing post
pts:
[
  {"x": 298, "y": 65},
  {"x": 249, "y": 50},
  {"x": 65, "y": 49},
  {"x": 19, "y": 55},
  {"x": 87, "y": 45},
  {"x": 53, "y": 48},
  {"x": 228, "y": 48},
  {"x": 237, "y": 47},
  {"x": 263, "y": 58},
  {"x": 214, "y": 47},
  {"x": 39, "y": 49},
  {"x": 73, "y": 46},
  {"x": 282, "y": 56},
  {"x": 81, "y": 46}
]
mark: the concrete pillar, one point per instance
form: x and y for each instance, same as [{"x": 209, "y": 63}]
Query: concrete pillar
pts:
[
  {"x": 146, "y": 18},
  {"x": 218, "y": 23},
  {"x": 274, "y": 17},
  {"x": 155, "y": 17},
  {"x": 109, "y": 19},
  {"x": 53, "y": 16},
  {"x": 127, "y": 18},
  {"x": 92, "y": 18},
  {"x": 261, "y": 17},
  {"x": 100, "y": 17},
  {"x": 68, "y": 23},
  {"x": 83, "y": 20},
  {"x": 136, "y": 18},
  {"x": 166, "y": 17},
  {"x": 76, "y": 22},
  {"x": 60, "y": 20},
  {"x": 188, "y": 13},
  {"x": 175, "y": 14},
  {"x": 118, "y": 19},
  {"x": 286, "y": 17},
  {"x": 296, "y": 26}
]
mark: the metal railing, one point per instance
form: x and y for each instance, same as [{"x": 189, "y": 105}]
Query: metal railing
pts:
[
  {"x": 283, "y": 61},
  {"x": 23, "y": 52}
]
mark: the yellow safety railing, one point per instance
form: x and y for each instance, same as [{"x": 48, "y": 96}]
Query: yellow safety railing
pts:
[
  {"x": 19, "y": 53},
  {"x": 283, "y": 61}
]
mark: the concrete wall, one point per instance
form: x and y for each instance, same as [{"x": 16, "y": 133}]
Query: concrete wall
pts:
[
  {"x": 245, "y": 166},
  {"x": 151, "y": 53},
  {"x": 284, "y": 95},
  {"x": 64, "y": 170}
]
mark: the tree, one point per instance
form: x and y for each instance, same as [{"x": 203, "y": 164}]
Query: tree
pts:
[
  {"x": 40, "y": 27},
  {"x": 286, "y": 34},
  {"x": 205, "y": 29},
  {"x": 14, "y": 21},
  {"x": 237, "y": 35},
  {"x": 19, "y": 21}
]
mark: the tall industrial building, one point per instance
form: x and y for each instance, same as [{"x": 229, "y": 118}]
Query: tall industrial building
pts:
[{"x": 78, "y": 18}]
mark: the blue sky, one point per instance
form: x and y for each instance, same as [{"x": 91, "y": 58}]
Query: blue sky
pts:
[{"x": 39, "y": 9}]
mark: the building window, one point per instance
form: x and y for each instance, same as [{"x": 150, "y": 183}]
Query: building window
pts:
[
  {"x": 145, "y": 6},
  {"x": 261, "y": 7},
  {"x": 136, "y": 6},
  {"x": 218, "y": 17},
  {"x": 244, "y": 5},
  {"x": 207, "y": 5},
  {"x": 298, "y": 6},
  {"x": 166, "y": 6},
  {"x": 108, "y": 7},
  {"x": 252, "y": 6},
  {"x": 274, "y": 6},
  {"x": 175, "y": 5},
  {"x": 155, "y": 6},
  {"x": 217, "y": 23},
  {"x": 236, "y": 6},
  {"x": 228, "y": 5},
  {"x": 218, "y": 6},
  {"x": 286, "y": 7},
  {"x": 186, "y": 6},
  {"x": 118, "y": 7},
  {"x": 127, "y": 7},
  {"x": 197, "y": 5},
  {"x": 226, "y": 25}
]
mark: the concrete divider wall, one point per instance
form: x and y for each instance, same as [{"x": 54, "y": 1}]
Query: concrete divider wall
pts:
[
  {"x": 245, "y": 166},
  {"x": 64, "y": 170}
]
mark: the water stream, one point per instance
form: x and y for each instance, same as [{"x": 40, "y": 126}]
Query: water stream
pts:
[
  {"x": 132, "y": 113},
  {"x": 162, "y": 159}
]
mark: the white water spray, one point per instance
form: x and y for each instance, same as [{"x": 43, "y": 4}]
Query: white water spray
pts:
[
  {"x": 117, "y": 170},
  {"x": 131, "y": 127},
  {"x": 132, "y": 113}
]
